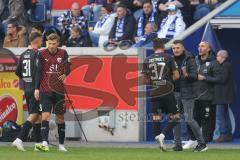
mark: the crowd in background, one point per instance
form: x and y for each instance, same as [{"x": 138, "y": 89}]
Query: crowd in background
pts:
[{"x": 103, "y": 22}]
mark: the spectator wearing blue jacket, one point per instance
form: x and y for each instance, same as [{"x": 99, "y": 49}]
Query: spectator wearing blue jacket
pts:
[
  {"x": 146, "y": 39},
  {"x": 79, "y": 38}
]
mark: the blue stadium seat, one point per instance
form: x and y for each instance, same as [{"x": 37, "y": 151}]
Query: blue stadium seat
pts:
[
  {"x": 48, "y": 3},
  {"x": 42, "y": 11},
  {"x": 39, "y": 13}
]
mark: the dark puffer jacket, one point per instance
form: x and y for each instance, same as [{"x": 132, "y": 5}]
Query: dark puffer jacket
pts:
[
  {"x": 187, "y": 83},
  {"x": 210, "y": 69}
]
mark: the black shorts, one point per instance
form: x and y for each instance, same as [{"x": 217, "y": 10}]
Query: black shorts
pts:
[
  {"x": 164, "y": 104},
  {"x": 52, "y": 102},
  {"x": 32, "y": 103}
]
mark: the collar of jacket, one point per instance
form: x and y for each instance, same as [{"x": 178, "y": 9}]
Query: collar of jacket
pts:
[
  {"x": 147, "y": 16},
  {"x": 211, "y": 57},
  {"x": 186, "y": 55}
]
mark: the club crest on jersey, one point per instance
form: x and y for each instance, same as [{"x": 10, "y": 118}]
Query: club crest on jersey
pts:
[
  {"x": 207, "y": 64},
  {"x": 59, "y": 59}
]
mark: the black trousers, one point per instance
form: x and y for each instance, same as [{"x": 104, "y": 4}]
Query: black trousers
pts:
[{"x": 205, "y": 115}]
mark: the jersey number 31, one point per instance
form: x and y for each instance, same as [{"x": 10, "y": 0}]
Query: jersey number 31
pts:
[{"x": 26, "y": 68}]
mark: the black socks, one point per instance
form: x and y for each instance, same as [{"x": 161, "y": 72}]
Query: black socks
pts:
[
  {"x": 25, "y": 131},
  {"x": 45, "y": 130},
  {"x": 61, "y": 132},
  {"x": 37, "y": 132}
]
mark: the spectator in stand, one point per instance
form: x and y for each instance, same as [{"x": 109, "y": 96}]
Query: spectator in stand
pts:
[
  {"x": 3, "y": 10},
  {"x": 184, "y": 9},
  {"x": 103, "y": 27},
  {"x": 93, "y": 7},
  {"x": 73, "y": 17},
  {"x": 79, "y": 38},
  {"x": 137, "y": 6},
  {"x": 148, "y": 16},
  {"x": 148, "y": 37},
  {"x": 172, "y": 25},
  {"x": 129, "y": 4},
  {"x": 203, "y": 7},
  {"x": 132, "y": 5},
  {"x": 37, "y": 27},
  {"x": 17, "y": 13},
  {"x": 123, "y": 26},
  {"x": 16, "y": 36}
]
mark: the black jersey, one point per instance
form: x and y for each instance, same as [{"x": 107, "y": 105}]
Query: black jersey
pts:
[
  {"x": 159, "y": 67},
  {"x": 26, "y": 69}
]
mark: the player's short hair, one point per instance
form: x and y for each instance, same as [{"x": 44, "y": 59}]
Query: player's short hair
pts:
[
  {"x": 207, "y": 43},
  {"x": 178, "y": 42},
  {"x": 38, "y": 26},
  {"x": 34, "y": 35},
  {"x": 53, "y": 36},
  {"x": 158, "y": 43}
]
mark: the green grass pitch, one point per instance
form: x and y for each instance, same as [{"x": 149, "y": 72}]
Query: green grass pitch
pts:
[{"x": 9, "y": 153}]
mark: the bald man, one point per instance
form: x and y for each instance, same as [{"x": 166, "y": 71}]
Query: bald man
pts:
[
  {"x": 208, "y": 70},
  {"x": 71, "y": 18}
]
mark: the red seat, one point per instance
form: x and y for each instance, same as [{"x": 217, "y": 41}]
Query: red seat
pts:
[{"x": 66, "y": 4}]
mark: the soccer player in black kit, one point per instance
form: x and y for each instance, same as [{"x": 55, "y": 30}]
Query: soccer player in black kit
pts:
[
  {"x": 26, "y": 69},
  {"x": 53, "y": 67},
  {"x": 160, "y": 70}
]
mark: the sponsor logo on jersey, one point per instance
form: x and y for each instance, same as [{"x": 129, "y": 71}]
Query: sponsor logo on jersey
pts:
[{"x": 59, "y": 59}]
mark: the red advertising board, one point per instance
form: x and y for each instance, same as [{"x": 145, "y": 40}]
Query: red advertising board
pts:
[
  {"x": 97, "y": 79},
  {"x": 10, "y": 94}
]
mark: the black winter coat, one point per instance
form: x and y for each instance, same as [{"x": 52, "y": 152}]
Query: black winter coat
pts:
[
  {"x": 209, "y": 68},
  {"x": 128, "y": 28},
  {"x": 187, "y": 83},
  {"x": 224, "y": 92}
]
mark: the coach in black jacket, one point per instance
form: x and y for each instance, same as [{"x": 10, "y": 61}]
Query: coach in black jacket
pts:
[
  {"x": 224, "y": 95},
  {"x": 188, "y": 75},
  {"x": 208, "y": 76},
  {"x": 124, "y": 24}
]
